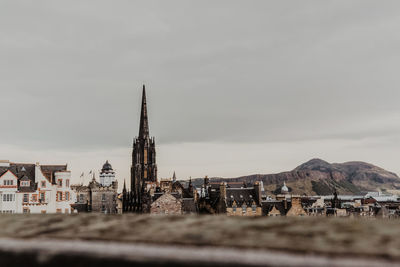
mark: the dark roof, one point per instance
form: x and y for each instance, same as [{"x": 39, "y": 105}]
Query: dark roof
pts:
[
  {"x": 20, "y": 170},
  {"x": 25, "y": 178},
  {"x": 49, "y": 170},
  {"x": 267, "y": 206},
  {"x": 241, "y": 196},
  {"x": 107, "y": 167}
]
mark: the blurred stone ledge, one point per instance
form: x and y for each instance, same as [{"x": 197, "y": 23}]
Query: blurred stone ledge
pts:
[
  {"x": 144, "y": 239},
  {"x": 46, "y": 252}
]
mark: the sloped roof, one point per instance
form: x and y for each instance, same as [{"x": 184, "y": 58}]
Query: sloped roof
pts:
[
  {"x": 49, "y": 170},
  {"x": 241, "y": 196}
]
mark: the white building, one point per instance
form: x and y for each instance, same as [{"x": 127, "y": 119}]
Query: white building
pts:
[
  {"x": 34, "y": 188},
  {"x": 107, "y": 175}
]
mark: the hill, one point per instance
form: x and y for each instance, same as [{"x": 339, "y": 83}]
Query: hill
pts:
[{"x": 318, "y": 177}]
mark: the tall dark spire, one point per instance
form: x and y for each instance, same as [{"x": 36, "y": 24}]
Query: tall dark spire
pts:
[{"x": 144, "y": 123}]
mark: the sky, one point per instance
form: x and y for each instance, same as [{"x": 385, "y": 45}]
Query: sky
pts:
[{"x": 233, "y": 87}]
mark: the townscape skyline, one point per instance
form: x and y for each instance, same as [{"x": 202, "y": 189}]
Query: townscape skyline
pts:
[{"x": 227, "y": 88}]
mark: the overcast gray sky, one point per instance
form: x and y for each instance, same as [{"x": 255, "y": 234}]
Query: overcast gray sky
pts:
[{"x": 234, "y": 87}]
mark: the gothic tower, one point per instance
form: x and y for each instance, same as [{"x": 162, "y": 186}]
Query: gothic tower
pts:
[{"x": 144, "y": 167}]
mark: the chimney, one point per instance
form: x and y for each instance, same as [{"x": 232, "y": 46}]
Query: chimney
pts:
[
  {"x": 257, "y": 189},
  {"x": 222, "y": 197}
]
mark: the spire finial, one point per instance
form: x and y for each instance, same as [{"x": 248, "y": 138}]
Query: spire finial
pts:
[
  {"x": 174, "y": 177},
  {"x": 124, "y": 189},
  {"x": 144, "y": 124}
]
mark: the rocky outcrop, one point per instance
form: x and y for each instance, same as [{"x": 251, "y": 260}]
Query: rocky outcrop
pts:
[{"x": 318, "y": 177}]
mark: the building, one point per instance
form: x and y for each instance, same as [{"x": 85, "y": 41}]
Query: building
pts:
[
  {"x": 144, "y": 167},
  {"x": 147, "y": 194},
  {"x": 34, "y": 188},
  {"x": 231, "y": 199},
  {"x": 97, "y": 196},
  {"x": 107, "y": 175}
]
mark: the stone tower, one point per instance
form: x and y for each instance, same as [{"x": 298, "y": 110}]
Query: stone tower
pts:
[{"x": 144, "y": 167}]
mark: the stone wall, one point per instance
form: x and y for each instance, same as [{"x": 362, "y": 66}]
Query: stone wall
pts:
[
  {"x": 166, "y": 204},
  {"x": 104, "y": 201},
  {"x": 239, "y": 212}
]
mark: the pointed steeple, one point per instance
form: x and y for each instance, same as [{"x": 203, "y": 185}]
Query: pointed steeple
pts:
[
  {"x": 144, "y": 124},
  {"x": 174, "y": 177},
  {"x": 124, "y": 190}
]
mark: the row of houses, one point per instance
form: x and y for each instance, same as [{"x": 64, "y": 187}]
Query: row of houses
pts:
[
  {"x": 34, "y": 188},
  {"x": 238, "y": 199}
]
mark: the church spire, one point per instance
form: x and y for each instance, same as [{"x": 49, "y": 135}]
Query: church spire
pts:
[
  {"x": 144, "y": 124},
  {"x": 124, "y": 189}
]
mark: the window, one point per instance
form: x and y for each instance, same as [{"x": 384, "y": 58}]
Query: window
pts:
[
  {"x": 254, "y": 208},
  {"x": 8, "y": 197},
  {"x": 81, "y": 198},
  {"x": 59, "y": 182},
  {"x": 34, "y": 198},
  {"x": 26, "y": 198},
  {"x": 103, "y": 197},
  {"x": 43, "y": 184},
  {"x": 67, "y": 183},
  {"x": 8, "y": 182},
  {"x": 244, "y": 207},
  {"x": 25, "y": 183},
  {"x": 145, "y": 157},
  {"x": 66, "y": 196},
  {"x": 59, "y": 196},
  {"x": 103, "y": 208},
  {"x": 234, "y": 208},
  {"x": 42, "y": 197}
]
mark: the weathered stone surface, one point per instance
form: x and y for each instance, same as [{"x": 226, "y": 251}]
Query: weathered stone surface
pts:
[
  {"x": 166, "y": 204},
  {"x": 326, "y": 236}
]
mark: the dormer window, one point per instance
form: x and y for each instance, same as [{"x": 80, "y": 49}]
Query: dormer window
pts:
[
  {"x": 25, "y": 183},
  {"x": 254, "y": 208}
]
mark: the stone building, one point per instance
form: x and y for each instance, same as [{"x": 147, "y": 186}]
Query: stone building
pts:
[
  {"x": 296, "y": 209},
  {"x": 98, "y": 196},
  {"x": 226, "y": 198},
  {"x": 285, "y": 204},
  {"x": 167, "y": 204}
]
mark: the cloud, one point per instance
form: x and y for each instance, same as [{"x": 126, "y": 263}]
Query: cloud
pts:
[{"x": 226, "y": 72}]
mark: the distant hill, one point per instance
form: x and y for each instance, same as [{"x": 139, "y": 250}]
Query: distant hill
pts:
[{"x": 318, "y": 177}]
